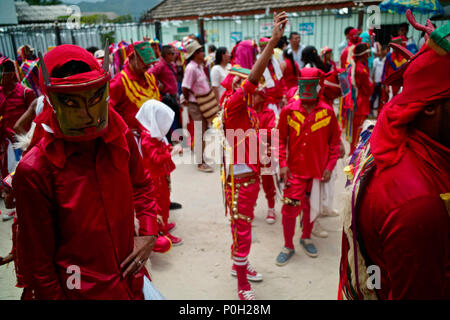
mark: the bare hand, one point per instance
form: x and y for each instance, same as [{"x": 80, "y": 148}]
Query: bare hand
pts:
[
  {"x": 284, "y": 174},
  {"x": 6, "y": 259},
  {"x": 341, "y": 151},
  {"x": 177, "y": 149},
  {"x": 279, "y": 24},
  {"x": 326, "y": 175},
  {"x": 136, "y": 260}
]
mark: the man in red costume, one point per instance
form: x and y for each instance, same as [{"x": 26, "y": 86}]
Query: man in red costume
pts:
[
  {"x": 394, "y": 61},
  {"x": 242, "y": 183},
  {"x": 401, "y": 211},
  {"x": 78, "y": 189},
  {"x": 15, "y": 100},
  {"x": 134, "y": 85},
  {"x": 347, "y": 54},
  {"x": 357, "y": 104},
  {"x": 275, "y": 88},
  {"x": 309, "y": 137}
]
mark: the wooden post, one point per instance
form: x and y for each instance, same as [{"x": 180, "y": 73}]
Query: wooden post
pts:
[
  {"x": 201, "y": 30},
  {"x": 360, "y": 15},
  {"x": 158, "y": 31},
  {"x": 58, "y": 34}
]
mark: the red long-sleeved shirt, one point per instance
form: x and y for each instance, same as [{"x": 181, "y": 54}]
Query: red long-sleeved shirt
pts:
[
  {"x": 126, "y": 98},
  {"x": 76, "y": 208},
  {"x": 156, "y": 155},
  {"x": 309, "y": 143},
  {"x": 242, "y": 122},
  {"x": 404, "y": 223},
  {"x": 365, "y": 88}
]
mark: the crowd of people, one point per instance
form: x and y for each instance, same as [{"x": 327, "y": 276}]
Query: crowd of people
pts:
[{"x": 88, "y": 136}]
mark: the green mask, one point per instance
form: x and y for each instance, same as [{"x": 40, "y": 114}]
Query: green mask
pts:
[
  {"x": 145, "y": 51},
  {"x": 307, "y": 89}
]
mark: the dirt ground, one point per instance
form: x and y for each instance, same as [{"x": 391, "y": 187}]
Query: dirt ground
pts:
[{"x": 200, "y": 268}]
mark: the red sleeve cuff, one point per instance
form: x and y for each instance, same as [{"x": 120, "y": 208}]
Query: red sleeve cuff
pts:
[
  {"x": 150, "y": 228},
  {"x": 249, "y": 87}
]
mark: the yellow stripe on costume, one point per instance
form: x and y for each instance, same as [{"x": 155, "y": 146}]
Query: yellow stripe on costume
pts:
[
  {"x": 321, "y": 114},
  {"x": 138, "y": 94},
  {"x": 294, "y": 124},
  {"x": 299, "y": 116},
  {"x": 322, "y": 123}
]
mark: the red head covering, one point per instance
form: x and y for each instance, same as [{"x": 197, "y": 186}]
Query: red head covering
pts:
[
  {"x": 63, "y": 54},
  {"x": 425, "y": 80},
  {"x": 353, "y": 36},
  {"x": 244, "y": 54}
]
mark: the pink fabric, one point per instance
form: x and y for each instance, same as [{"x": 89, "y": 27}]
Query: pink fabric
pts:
[
  {"x": 245, "y": 54},
  {"x": 166, "y": 74},
  {"x": 241, "y": 230},
  {"x": 195, "y": 80}
]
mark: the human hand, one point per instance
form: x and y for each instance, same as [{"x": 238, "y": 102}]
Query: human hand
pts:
[
  {"x": 341, "y": 151},
  {"x": 279, "y": 24},
  {"x": 284, "y": 174},
  {"x": 143, "y": 246},
  {"x": 326, "y": 175}
]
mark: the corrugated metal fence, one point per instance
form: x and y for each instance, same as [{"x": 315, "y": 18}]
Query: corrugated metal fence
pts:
[{"x": 42, "y": 36}]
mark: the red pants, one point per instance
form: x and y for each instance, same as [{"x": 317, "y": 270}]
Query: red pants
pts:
[
  {"x": 296, "y": 190},
  {"x": 162, "y": 186},
  {"x": 269, "y": 189},
  {"x": 358, "y": 121},
  {"x": 242, "y": 213}
]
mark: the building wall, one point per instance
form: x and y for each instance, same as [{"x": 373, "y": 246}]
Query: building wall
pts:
[
  {"x": 328, "y": 29},
  {"x": 7, "y": 12}
]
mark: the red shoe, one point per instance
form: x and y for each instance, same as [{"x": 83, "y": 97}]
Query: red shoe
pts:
[
  {"x": 175, "y": 240},
  {"x": 252, "y": 274},
  {"x": 162, "y": 244},
  {"x": 170, "y": 226},
  {"x": 246, "y": 294},
  {"x": 271, "y": 216}
]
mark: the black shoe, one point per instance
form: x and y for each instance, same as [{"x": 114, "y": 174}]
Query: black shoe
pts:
[{"x": 175, "y": 206}]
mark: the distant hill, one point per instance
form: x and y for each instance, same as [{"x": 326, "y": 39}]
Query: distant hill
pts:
[{"x": 134, "y": 7}]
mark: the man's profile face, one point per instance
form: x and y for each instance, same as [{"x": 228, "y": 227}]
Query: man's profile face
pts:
[
  {"x": 81, "y": 112},
  {"x": 138, "y": 65},
  {"x": 170, "y": 55},
  {"x": 200, "y": 54}
]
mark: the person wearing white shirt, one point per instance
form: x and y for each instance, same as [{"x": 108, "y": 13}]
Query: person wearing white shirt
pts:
[
  {"x": 377, "y": 74},
  {"x": 296, "y": 47},
  {"x": 220, "y": 71}
]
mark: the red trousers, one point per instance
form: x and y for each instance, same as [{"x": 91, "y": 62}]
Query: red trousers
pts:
[
  {"x": 296, "y": 200},
  {"x": 242, "y": 207},
  {"x": 269, "y": 189},
  {"x": 162, "y": 187}
]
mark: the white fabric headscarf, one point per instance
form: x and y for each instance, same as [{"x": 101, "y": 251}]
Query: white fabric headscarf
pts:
[{"x": 156, "y": 117}]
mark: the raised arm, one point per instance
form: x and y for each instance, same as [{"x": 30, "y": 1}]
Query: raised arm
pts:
[{"x": 279, "y": 23}]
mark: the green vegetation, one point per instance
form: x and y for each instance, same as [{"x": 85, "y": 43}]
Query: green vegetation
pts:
[{"x": 100, "y": 18}]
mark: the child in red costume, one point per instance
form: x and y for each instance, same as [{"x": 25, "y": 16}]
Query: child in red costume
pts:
[
  {"x": 266, "y": 119},
  {"x": 309, "y": 148},
  {"x": 242, "y": 183},
  {"x": 156, "y": 118}
]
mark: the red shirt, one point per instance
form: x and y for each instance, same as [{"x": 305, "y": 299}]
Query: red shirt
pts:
[
  {"x": 405, "y": 225},
  {"x": 243, "y": 125},
  {"x": 364, "y": 86},
  {"x": 309, "y": 143},
  {"x": 156, "y": 155},
  {"x": 76, "y": 208},
  {"x": 275, "y": 94},
  {"x": 13, "y": 106},
  {"x": 127, "y": 93},
  {"x": 166, "y": 73}
]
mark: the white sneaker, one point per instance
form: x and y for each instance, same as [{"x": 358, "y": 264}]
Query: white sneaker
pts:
[
  {"x": 8, "y": 215},
  {"x": 329, "y": 213},
  {"x": 246, "y": 294},
  {"x": 318, "y": 231},
  {"x": 252, "y": 274},
  {"x": 271, "y": 216}
]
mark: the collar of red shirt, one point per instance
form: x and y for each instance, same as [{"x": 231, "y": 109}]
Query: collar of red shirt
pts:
[{"x": 53, "y": 146}]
